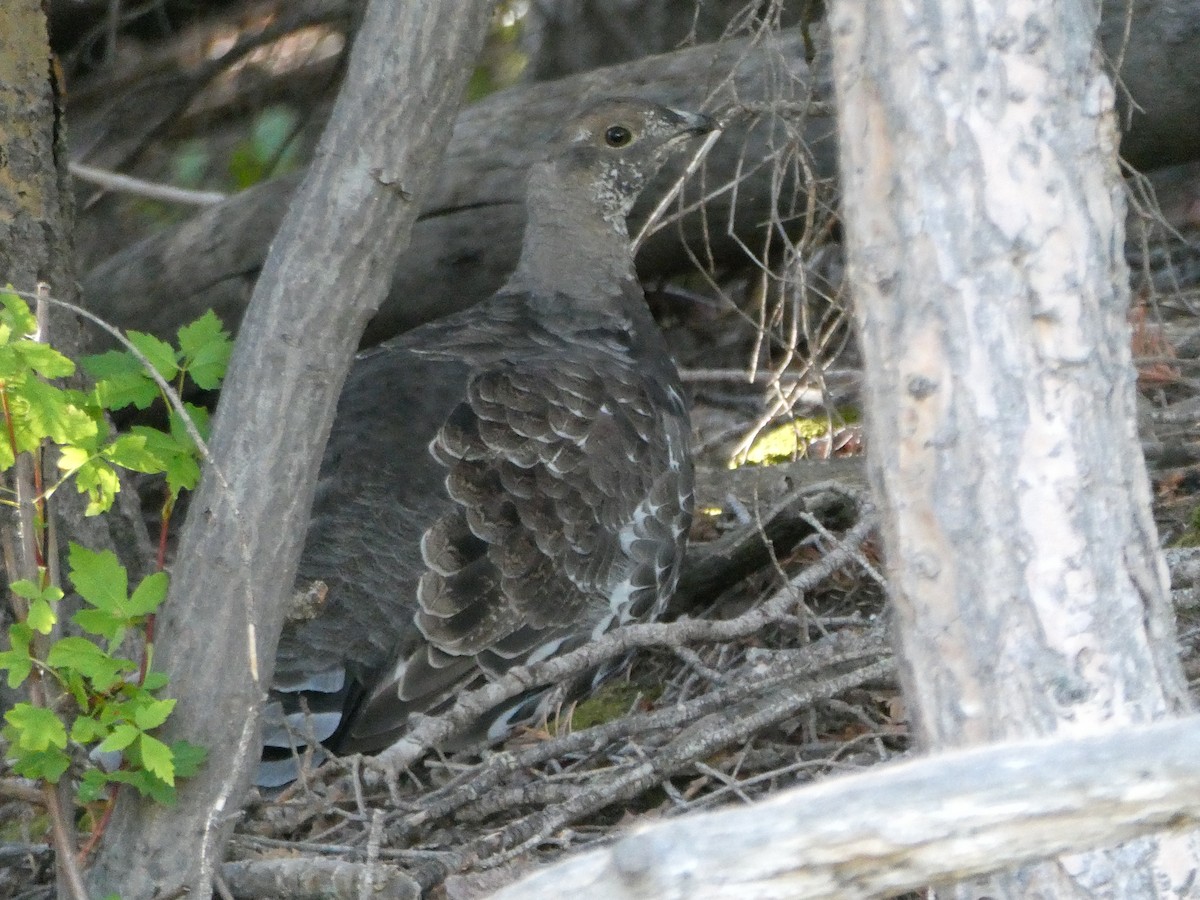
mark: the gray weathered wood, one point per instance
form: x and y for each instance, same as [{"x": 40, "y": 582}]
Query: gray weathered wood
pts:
[
  {"x": 469, "y": 235},
  {"x": 899, "y": 827},
  {"x": 328, "y": 270},
  {"x": 984, "y": 250},
  {"x": 469, "y": 239}
]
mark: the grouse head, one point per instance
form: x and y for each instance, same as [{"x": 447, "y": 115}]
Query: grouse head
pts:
[
  {"x": 617, "y": 145},
  {"x": 580, "y": 192}
]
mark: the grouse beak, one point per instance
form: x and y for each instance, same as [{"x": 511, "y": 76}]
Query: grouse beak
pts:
[{"x": 696, "y": 123}]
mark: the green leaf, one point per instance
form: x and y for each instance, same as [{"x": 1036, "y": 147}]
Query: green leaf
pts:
[
  {"x": 99, "y": 578},
  {"x": 100, "y": 482},
  {"x": 23, "y": 587},
  {"x": 91, "y": 786},
  {"x": 44, "y": 359},
  {"x": 46, "y": 412},
  {"x": 153, "y": 714},
  {"x": 157, "y": 758},
  {"x": 86, "y": 729},
  {"x": 119, "y": 738},
  {"x": 30, "y": 591},
  {"x": 199, "y": 416},
  {"x": 183, "y": 473},
  {"x": 146, "y": 784},
  {"x": 188, "y": 758},
  {"x": 121, "y": 380},
  {"x": 18, "y": 660},
  {"x": 77, "y": 686},
  {"x": 149, "y": 595},
  {"x": 130, "y": 452},
  {"x": 101, "y": 622},
  {"x": 71, "y": 458},
  {"x": 195, "y": 336},
  {"x": 160, "y": 354},
  {"x": 16, "y": 314},
  {"x": 12, "y": 367},
  {"x": 45, "y": 765},
  {"x": 41, "y": 616},
  {"x": 206, "y": 348},
  {"x": 90, "y": 661},
  {"x": 155, "y": 680},
  {"x": 36, "y": 728}
]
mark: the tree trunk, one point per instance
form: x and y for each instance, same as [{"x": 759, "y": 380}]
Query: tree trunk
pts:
[
  {"x": 328, "y": 270},
  {"x": 36, "y": 212},
  {"x": 984, "y": 215}
]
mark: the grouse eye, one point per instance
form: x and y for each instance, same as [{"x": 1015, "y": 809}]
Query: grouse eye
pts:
[{"x": 617, "y": 136}]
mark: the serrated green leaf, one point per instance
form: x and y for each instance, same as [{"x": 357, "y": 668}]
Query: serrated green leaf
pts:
[
  {"x": 90, "y": 661},
  {"x": 36, "y": 728},
  {"x": 119, "y": 738},
  {"x": 157, "y": 758},
  {"x": 76, "y": 686},
  {"x": 71, "y": 458},
  {"x": 121, "y": 380},
  {"x": 30, "y": 591},
  {"x": 86, "y": 729},
  {"x": 208, "y": 368},
  {"x": 149, "y": 595},
  {"x": 196, "y": 335},
  {"x": 44, "y": 359},
  {"x": 188, "y": 758},
  {"x": 130, "y": 451},
  {"x": 153, "y": 714},
  {"x": 200, "y": 418},
  {"x": 44, "y": 765},
  {"x": 99, "y": 578},
  {"x": 100, "y": 482},
  {"x": 41, "y": 616},
  {"x": 146, "y": 784},
  {"x": 155, "y": 681},
  {"x": 20, "y": 636},
  {"x": 100, "y": 622},
  {"x": 91, "y": 786},
  {"x": 41, "y": 410},
  {"x": 16, "y": 314},
  {"x": 111, "y": 364},
  {"x": 160, "y": 354},
  {"x": 17, "y": 660},
  {"x": 183, "y": 473},
  {"x": 12, "y": 367},
  {"x": 206, "y": 348}
]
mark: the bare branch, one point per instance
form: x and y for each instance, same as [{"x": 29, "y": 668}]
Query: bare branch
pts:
[{"x": 963, "y": 814}]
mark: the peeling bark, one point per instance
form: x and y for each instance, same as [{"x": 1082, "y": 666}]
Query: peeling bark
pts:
[{"x": 984, "y": 214}]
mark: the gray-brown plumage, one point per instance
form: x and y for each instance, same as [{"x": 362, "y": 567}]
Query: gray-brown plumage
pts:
[{"x": 554, "y": 500}]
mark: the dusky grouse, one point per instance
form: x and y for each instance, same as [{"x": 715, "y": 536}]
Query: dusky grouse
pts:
[{"x": 552, "y": 503}]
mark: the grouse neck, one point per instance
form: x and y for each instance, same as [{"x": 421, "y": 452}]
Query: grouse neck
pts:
[{"x": 572, "y": 244}]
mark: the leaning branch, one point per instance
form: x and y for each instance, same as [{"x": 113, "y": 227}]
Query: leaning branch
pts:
[{"x": 900, "y": 827}]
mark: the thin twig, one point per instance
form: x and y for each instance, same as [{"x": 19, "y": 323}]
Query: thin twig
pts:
[{"x": 140, "y": 187}]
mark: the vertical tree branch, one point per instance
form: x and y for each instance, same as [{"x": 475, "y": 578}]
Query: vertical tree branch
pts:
[{"x": 328, "y": 270}]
